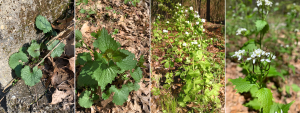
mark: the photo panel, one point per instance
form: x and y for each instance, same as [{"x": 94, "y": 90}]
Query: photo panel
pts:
[{"x": 262, "y": 56}]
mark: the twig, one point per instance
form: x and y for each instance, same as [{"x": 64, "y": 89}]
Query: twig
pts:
[
  {"x": 60, "y": 34},
  {"x": 2, "y": 98},
  {"x": 9, "y": 84}
]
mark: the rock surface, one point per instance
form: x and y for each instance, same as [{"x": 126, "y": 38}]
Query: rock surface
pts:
[
  {"x": 17, "y": 27},
  {"x": 22, "y": 99}
]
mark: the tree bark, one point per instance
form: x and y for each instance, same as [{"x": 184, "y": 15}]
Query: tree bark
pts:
[{"x": 208, "y": 10}]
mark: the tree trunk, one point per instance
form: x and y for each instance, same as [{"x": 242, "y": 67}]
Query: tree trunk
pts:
[{"x": 208, "y": 10}]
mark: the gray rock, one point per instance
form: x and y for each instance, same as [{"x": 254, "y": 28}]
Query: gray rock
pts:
[
  {"x": 17, "y": 27},
  {"x": 22, "y": 99}
]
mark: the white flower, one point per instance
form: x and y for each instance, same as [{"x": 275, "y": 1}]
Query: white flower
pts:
[
  {"x": 253, "y": 61},
  {"x": 197, "y": 16},
  {"x": 249, "y": 58},
  {"x": 202, "y": 20},
  {"x": 287, "y": 46},
  {"x": 158, "y": 17},
  {"x": 201, "y": 26},
  {"x": 199, "y": 45},
  {"x": 280, "y": 111},
  {"x": 294, "y": 11},
  {"x": 203, "y": 30},
  {"x": 276, "y": 3},
  {"x": 197, "y": 23},
  {"x": 259, "y": 3},
  {"x": 296, "y": 30},
  {"x": 186, "y": 33},
  {"x": 269, "y": 3},
  {"x": 167, "y": 22},
  {"x": 255, "y": 9},
  {"x": 191, "y": 8},
  {"x": 268, "y": 60},
  {"x": 182, "y": 11},
  {"x": 184, "y": 44},
  {"x": 239, "y": 54},
  {"x": 187, "y": 22},
  {"x": 195, "y": 42},
  {"x": 211, "y": 38},
  {"x": 288, "y": 13},
  {"x": 273, "y": 57},
  {"x": 294, "y": 3},
  {"x": 262, "y": 60},
  {"x": 186, "y": 10},
  {"x": 196, "y": 12},
  {"x": 240, "y": 30},
  {"x": 165, "y": 31},
  {"x": 179, "y": 4}
]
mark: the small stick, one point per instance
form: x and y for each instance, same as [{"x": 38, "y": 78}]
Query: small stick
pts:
[{"x": 9, "y": 84}]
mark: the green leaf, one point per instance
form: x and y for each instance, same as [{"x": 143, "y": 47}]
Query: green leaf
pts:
[
  {"x": 132, "y": 86},
  {"x": 85, "y": 76},
  {"x": 84, "y": 99},
  {"x": 129, "y": 62},
  {"x": 242, "y": 85},
  {"x": 285, "y": 108},
  {"x": 121, "y": 95},
  {"x": 262, "y": 25},
  {"x": 43, "y": 24},
  {"x": 116, "y": 55},
  {"x": 34, "y": 50},
  {"x": 105, "y": 74},
  {"x": 82, "y": 58},
  {"x": 31, "y": 78},
  {"x": 82, "y": 11},
  {"x": 58, "y": 50},
  {"x": 250, "y": 45},
  {"x": 137, "y": 75},
  {"x": 141, "y": 62},
  {"x": 274, "y": 72},
  {"x": 253, "y": 104},
  {"x": 265, "y": 97},
  {"x": 78, "y": 35},
  {"x": 295, "y": 87},
  {"x": 16, "y": 59},
  {"x": 105, "y": 41},
  {"x": 277, "y": 107},
  {"x": 85, "y": 1}
]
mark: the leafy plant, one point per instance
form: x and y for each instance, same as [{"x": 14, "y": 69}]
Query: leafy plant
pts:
[
  {"x": 258, "y": 65},
  {"x": 104, "y": 67},
  {"x": 18, "y": 61}
]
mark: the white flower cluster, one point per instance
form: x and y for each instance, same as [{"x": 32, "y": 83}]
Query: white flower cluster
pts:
[
  {"x": 296, "y": 30},
  {"x": 191, "y": 8},
  {"x": 184, "y": 44},
  {"x": 168, "y": 22},
  {"x": 267, "y": 3},
  {"x": 165, "y": 31},
  {"x": 239, "y": 54},
  {"x": 202, "y": 20},
  {"x": 187, "y": 33},
  {"x": 258, "y": 53},
  {"x": 195, "y": 42},
  {"x": 240, "y": 30}
]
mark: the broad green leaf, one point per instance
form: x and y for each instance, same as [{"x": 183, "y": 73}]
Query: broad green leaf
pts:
[
  {"x": 58, "y": 50},
  {"x": 188, "y": 86},
  {"x": 16, "y": 59},
  {"x": 105, "y": 41},
  {"x": 34, "y": 50},
  {"x": 85, "y": 76},
  {"x": 285, "y": 107},
  {"x": 82, "y": 58},
  {"x": 129, "y": 62},
  {"x": 253, "y": 104},
  {"x": 43, "y": 24},
  {"x": 31, "y": 78},
  {"x": 262, "y": 25},
  {"x": 78, "y": 35},
  {"x": 133, "y": 86},
  {"x": 121, "y": 95},
  {"x": 84, "y": 99},
  {"x": 23, "y": 49},
  {"x": 242, "y": 85},
  {"x": 187, "y": 98},
  {"x": 18, "y": 70},
  {"x": 137, "y": 75},
  {"x": 274, "y": 72},
  {"x": 105, "y": 74},
  {"x": 116, "y": 55},
  {"x": 265, "y": 97},
  {"x": 277, "y": 107},
  {"x": 249, "y": 46}
]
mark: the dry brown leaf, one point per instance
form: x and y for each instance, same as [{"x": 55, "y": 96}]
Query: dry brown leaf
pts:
[
  {"x": 85, "y": 29},
  {"x": 58, "y": 96},
  {"x": 72, "y": 64}
]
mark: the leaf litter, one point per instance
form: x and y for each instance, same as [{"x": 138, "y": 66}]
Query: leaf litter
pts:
[{"x": 132, "y": 24}]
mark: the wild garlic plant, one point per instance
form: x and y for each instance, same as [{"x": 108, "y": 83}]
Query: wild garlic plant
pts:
[{"x": 258, "y": 65}]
